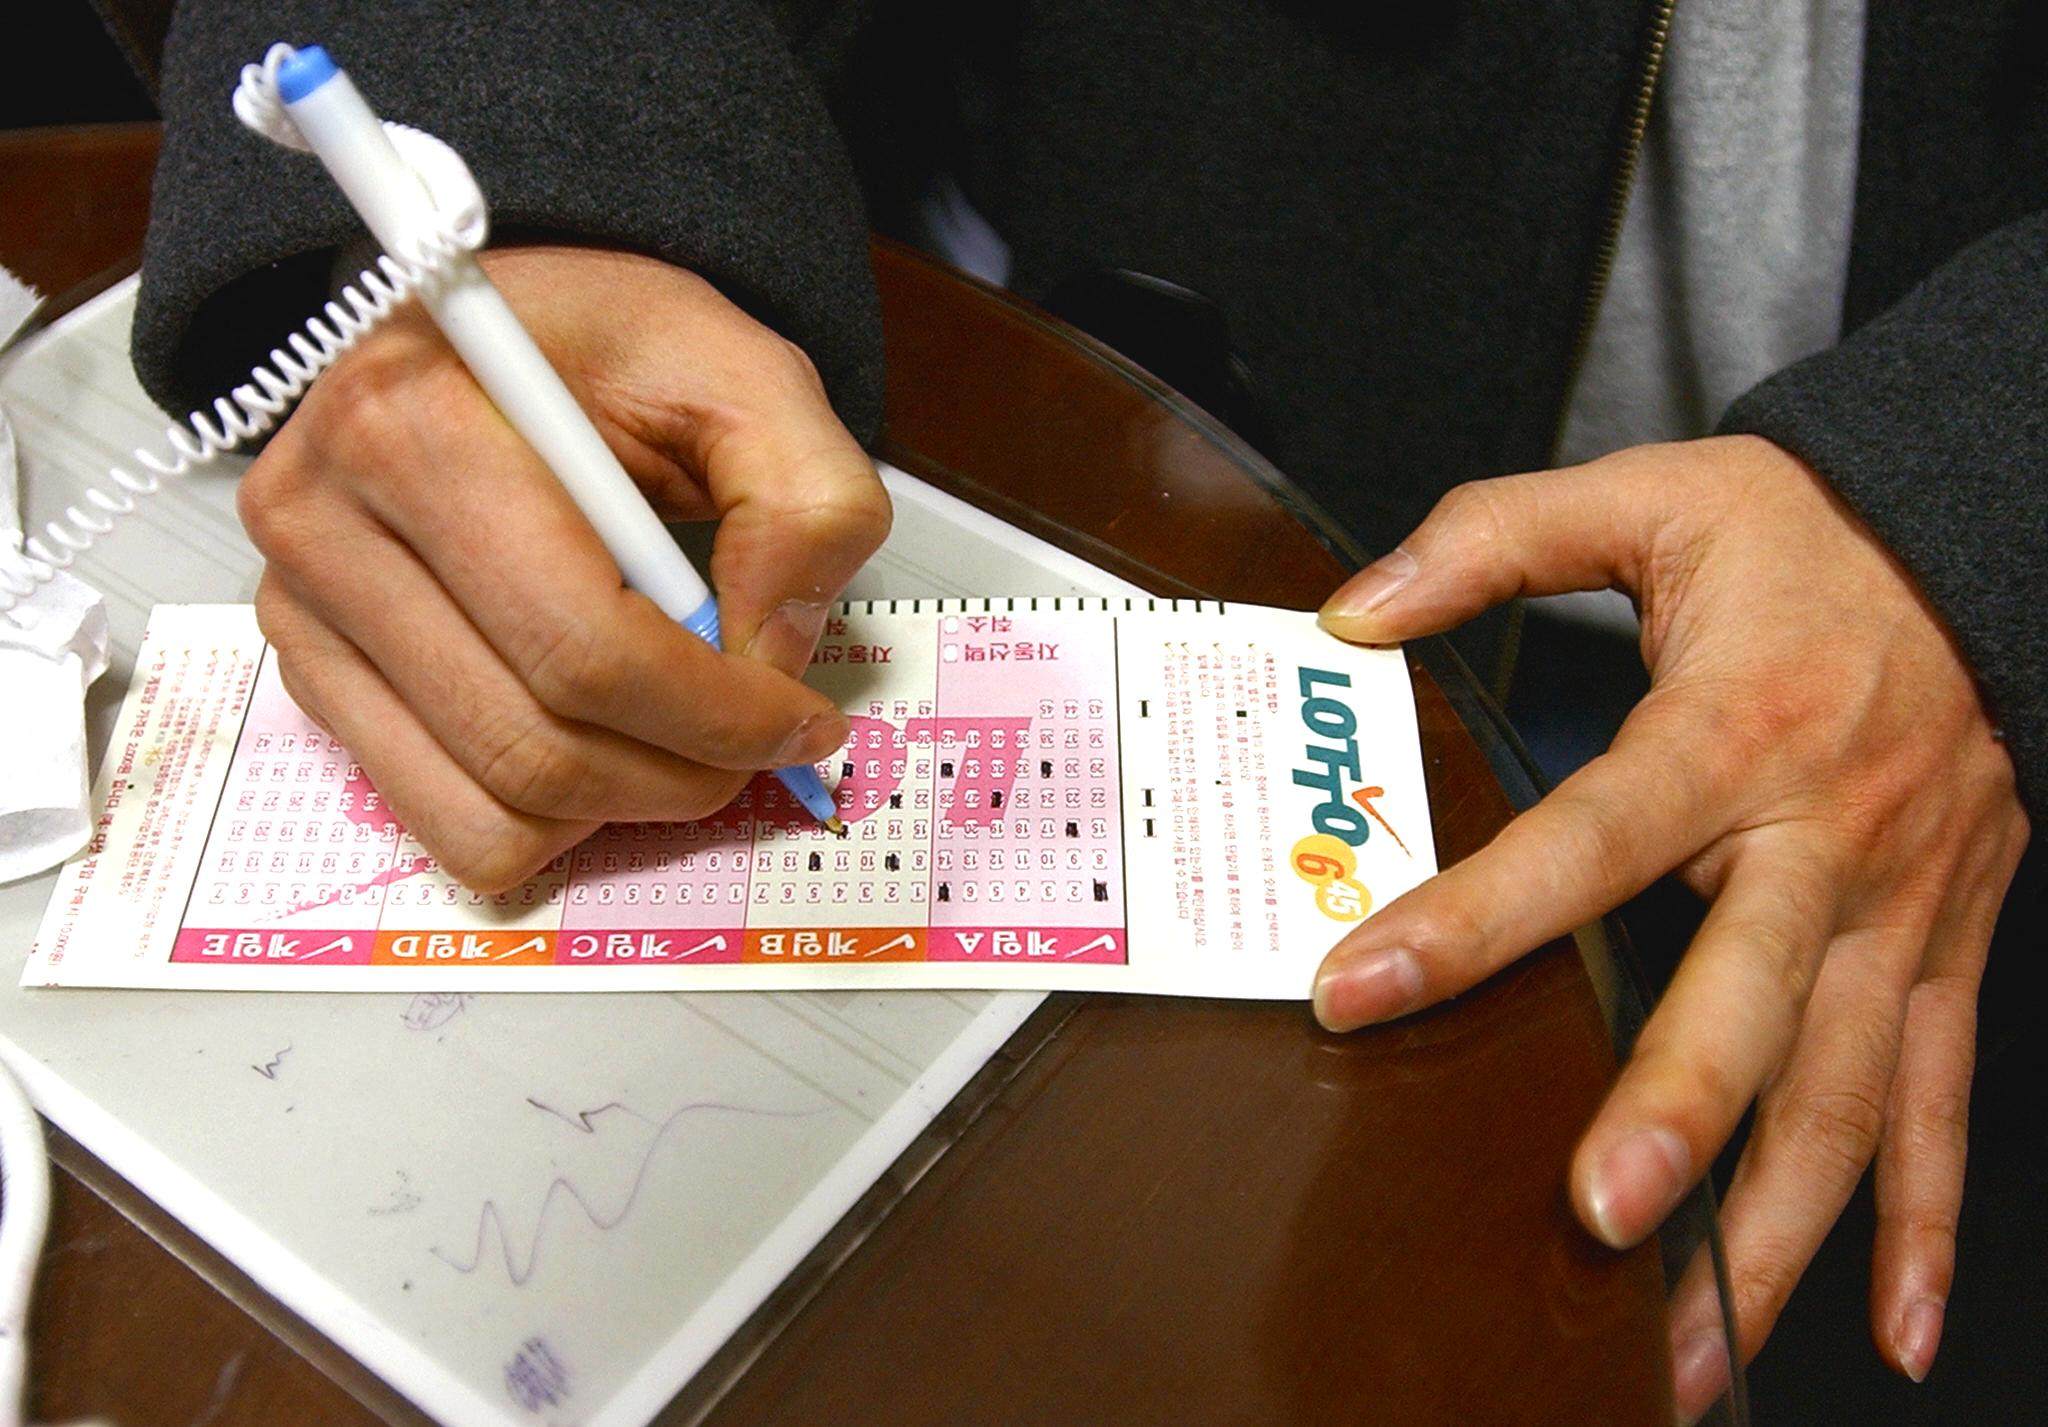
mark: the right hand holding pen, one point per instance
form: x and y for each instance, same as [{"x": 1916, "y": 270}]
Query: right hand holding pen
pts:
[{"x": 438, "y": 603}]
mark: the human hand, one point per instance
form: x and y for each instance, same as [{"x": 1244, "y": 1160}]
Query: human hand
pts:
[
  {"x": 439, "y": 604},
  {"x": 1814, "y": 759}
]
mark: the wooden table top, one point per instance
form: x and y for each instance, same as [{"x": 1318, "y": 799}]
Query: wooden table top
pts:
[{"x": 1145, "y": 1209}]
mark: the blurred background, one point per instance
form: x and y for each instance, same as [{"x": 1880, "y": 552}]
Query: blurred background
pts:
[
  {"x": 1570, "y": 691},
  {"x": 61, "y": 67}
]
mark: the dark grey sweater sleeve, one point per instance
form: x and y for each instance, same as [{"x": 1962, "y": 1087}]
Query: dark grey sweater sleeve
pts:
[
  {"x": 1932, "y": 421},
  {"x": 683, "y": 130}
]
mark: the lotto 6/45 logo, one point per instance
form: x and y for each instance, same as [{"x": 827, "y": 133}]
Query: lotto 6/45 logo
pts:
[
  {"x": 1329, "y": 866},
  {"x": 1326, "y": 858}
]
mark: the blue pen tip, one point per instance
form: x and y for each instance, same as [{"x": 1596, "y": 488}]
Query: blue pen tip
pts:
[
  {"x": 818, "y": 803},
  {"x": 809, "y": 789},
  {"x": 305, "y": 72}
]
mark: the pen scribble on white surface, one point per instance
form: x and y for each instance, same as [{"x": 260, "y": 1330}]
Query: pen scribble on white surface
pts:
[
  {"x": 431, "y": 1010},
  {"x": 580, "y": 1121},
  {"x": 403, "y": 1199},
  {"x": 536, "y": 1377},
  {"x": 268, "y": 1070},
  {"x": 520, "y": 1267}
]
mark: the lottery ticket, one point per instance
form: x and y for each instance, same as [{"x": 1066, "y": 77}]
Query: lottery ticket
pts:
[{"x": 1110, "y": 794}]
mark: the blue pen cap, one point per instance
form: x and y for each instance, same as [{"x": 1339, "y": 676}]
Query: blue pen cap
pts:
[
  {"x": 305, "y": 72},
  {"x": 703, "y": 622}
]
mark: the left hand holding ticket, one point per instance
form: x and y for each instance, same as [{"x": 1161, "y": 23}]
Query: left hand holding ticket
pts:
[{"x": 1813, "y": 758}]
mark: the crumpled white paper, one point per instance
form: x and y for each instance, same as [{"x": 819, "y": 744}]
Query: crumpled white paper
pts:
[{"x": 53, "y": 644}]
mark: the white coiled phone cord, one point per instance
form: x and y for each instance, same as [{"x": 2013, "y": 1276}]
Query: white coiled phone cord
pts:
[
  {"x": 257, "y": 405},
  {"x": 251, "y": 410}
]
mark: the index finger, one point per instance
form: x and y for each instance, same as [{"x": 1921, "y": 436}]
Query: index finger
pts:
[
  {"x": 800, "y": 511},
  {"x": 1653, "y": 800}
]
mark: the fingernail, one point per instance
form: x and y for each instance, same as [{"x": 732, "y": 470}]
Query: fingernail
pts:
[
  {"x": 1371, "y": 587},
  {"x": 1699, "y": 1374},
  {"x": 1635, "y": 1186},
  {"x": 818, "y": 736},
  {"x": 1919, "y": 1336},
  {"x": 788, "y": 635},
  {"x": 1370, "y": 988}
]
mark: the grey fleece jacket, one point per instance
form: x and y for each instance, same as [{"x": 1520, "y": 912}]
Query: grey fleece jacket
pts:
[{"x": 1397, "y": 213}]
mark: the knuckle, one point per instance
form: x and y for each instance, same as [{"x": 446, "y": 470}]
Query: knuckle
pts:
[
  {"x": 265, "y": 501},
  {"x": 297, "y": 690},
  {"x": 1473, "y": 507},
  {"x": 1450, "y": 934},
  {"x": 2019, "y": 827},
  {"x": 844, "y": 516},
  {"x": 575, "y": 670},
  {"x": 1785, "y": 959},
  {"x": 774, "y": 370},
  {"x": 1943, "y": 1120},
  {"x": 360, "y": 396},
  {"x": 1715, "y": 1091},
  {"x": 372, "y": 407},
  {"x": 1762, "y": 1281},
  {"x": 1771, "y": 711},
  {"x": 1778, "y": 708},
  {"x": 1460, "y": 499},
  {"x": 1605, "y": 845},
  {"x": 1866, "y": 806},
  {"x": 271, "y": 620},
  {"x": 1924, "y": 1229},
  {"x": 1726, "y": 765},
  {"x": 1837, "y": 1128},
  {"x": 534, "y": 768},
  {"x": 797, "y": 365},
  {"x": 866, "y": 514}
]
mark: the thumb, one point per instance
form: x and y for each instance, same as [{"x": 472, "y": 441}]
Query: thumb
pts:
[{"x": 1489, "y": 541}]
